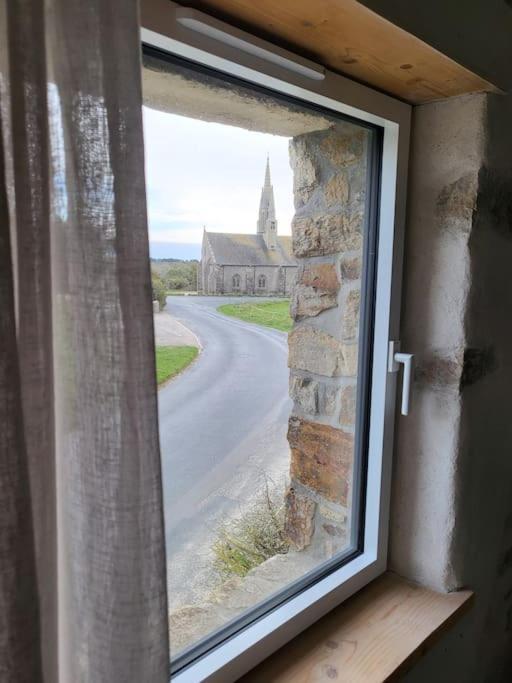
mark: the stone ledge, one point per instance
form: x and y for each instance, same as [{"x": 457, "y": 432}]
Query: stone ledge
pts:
[{"x": 190, "y": 623}]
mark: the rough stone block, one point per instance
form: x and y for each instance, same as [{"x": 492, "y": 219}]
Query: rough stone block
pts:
[
  {"x": 326, "y": 234},
  {"x": 337, "y": 190},
  {"x": 333, "y": 530},
  {"x": 309, "y": 302},
  {"x": 348, "y": 405},
  {"x": 299, "y": 519},
  {"x": 348, "y": 366},
  {"x": 304, "y": 391},
  {"x": 321, "y": 276},
  {"x": 315, "y": 351},
  {"x": 350, "y": 316},
  {"x": 316, "y": 291},
  {"x": 351, "y": 268},
  {"x": 321, "y": 458},
  {"x": 335, "y": 514},
  {"x": 304, "y": 172},
  {"x": 327, "y": 397},
  {"x": 313, "y": 397},
  {"x": 343, "y": 148}
]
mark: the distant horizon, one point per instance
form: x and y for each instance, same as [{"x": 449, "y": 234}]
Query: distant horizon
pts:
[{"x": 177, "y": 250}]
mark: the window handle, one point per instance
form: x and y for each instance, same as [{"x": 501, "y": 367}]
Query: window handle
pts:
[{"x": 395, "y": 359}]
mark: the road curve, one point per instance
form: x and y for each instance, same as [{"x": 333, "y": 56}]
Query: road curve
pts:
[{"x": 222, "y": 433}]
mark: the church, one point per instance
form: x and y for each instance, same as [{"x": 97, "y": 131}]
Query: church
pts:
[{"x": 255, "y": 265}]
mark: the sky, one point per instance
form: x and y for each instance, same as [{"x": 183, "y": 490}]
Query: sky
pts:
[{"x": 208, "y": 174}]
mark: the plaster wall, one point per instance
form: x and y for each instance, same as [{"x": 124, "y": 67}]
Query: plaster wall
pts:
[
  {"x": 447, "y": 153},
  {"x": 452, "y": 498}
]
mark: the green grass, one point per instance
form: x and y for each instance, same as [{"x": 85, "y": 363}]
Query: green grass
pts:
[
  {"x": 274, "y": 314},
  {"x": 170, "y": 360}
]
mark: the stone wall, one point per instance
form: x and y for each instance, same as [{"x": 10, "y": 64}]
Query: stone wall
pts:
[
  {"x": 451, "y": 514},
  {"x": 329, "y": 193}
]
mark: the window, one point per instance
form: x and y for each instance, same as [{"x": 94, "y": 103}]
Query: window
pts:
[{"x": 286, "y": 560}]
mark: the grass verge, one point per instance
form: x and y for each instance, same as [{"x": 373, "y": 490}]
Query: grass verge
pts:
[
  {"x": 274, "y": 314},
  {"x": 170, "y": 360}
]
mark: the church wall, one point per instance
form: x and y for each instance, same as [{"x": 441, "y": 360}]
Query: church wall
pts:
[
  {"x": 204, "y": 281},
  {"x": 199, "y": 285},
  {"x": 276, "y": 285},
  {"x": 271, "y": 274},
  {"x": 211, "y": 278},
  {"x": 245, "y": 273},
  {"x": 218, "y": 279}
]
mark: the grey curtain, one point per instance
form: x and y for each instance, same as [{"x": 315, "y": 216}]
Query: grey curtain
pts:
[{"x": 82, "y": 558}]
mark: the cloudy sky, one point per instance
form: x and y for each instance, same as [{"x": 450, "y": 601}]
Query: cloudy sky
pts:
[{"x": 207, "y": 174}]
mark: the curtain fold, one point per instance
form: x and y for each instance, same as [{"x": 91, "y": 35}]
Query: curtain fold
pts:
[{"x": 82, "y": 555}]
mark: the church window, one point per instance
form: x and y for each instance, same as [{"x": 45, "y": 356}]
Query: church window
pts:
[
  {"x": 236, "y": 281},
  {"x": 262, "y": 282}
]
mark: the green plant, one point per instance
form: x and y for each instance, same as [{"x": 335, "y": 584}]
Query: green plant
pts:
[
  {"x": 176, "y": 274},
  {"x": 252, "y": 538},
  {"x": 159, "y": 289}
]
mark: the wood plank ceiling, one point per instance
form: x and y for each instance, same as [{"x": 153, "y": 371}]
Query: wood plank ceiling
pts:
[{"x": 347, "y": 37}]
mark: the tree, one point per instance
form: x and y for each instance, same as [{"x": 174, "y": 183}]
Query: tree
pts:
[{"x": 182, "y": 275}]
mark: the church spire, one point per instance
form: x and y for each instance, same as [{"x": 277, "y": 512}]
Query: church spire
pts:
[
  {"x": 267, "y": 174},
  {"x": 267, "y": 223}
]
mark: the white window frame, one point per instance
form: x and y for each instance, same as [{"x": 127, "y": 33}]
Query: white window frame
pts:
[{"x": 246, "y": 649}]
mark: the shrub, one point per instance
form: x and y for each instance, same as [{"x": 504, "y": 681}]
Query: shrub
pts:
[
  {"x": 181, "y": 275},
  {"x": 159, "y": 289},
  {"x": 256, "y": 536}
]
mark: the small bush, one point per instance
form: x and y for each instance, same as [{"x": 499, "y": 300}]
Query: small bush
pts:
[
  {"x": 254, "y": 537},
  {"x": 159, "y": 289}
]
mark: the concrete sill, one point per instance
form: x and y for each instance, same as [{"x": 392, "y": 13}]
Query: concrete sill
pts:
[{"x": 375, "y": 636}]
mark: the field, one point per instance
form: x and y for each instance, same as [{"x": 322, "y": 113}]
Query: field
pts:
[
  {"x": 274, "y": 314},
  {"x": 171, "y": 360}
]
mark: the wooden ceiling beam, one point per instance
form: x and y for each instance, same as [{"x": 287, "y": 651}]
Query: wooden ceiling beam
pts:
[{"x": 350, "y": 39}]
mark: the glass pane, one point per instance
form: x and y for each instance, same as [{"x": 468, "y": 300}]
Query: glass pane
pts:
[{"x": 261, "y": 238}]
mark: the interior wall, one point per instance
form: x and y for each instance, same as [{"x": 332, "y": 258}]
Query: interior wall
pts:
[
  {"x": 452, "y": 500},
  {"x": 446, "y": 155}
]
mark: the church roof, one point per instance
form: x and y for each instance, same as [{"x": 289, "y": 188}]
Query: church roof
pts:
[{"x": 231, "y": 249}]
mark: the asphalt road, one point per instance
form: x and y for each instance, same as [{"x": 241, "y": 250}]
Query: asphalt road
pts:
[{"x": 223, "y": 428}]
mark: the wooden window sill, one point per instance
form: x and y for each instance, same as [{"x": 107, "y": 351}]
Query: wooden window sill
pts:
[{"x": 373, "y": 637}]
